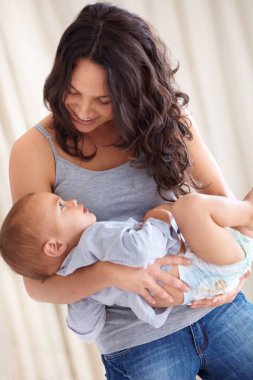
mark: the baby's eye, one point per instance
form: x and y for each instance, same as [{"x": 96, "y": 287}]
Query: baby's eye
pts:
[{"x": 61, "y": 204}]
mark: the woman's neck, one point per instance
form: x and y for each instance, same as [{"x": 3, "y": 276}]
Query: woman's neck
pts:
[
  {"x": 101, "y": 141},
  {"x": 105, "y": 135}
]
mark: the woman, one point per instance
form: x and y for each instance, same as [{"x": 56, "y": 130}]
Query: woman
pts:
[{"x": 119, "y": 134}]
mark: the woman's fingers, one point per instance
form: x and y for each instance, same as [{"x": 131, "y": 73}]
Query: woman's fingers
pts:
[
  {"x": 149, "y": 281},
  {"x": 174, "y": 282},
  {"x": 156, "y": 280},
  {"x": 173, "y": 260},
  {"x": 152, "y": 288},
  {"x": 245, "y": 275},
  {"x": 214, "y": 302},
  {"x": 150, "y": 277},
  {"x": 166, "y": 278},
  {"x": 147, "y": 297},
  {"x": 157, "y": 291}
]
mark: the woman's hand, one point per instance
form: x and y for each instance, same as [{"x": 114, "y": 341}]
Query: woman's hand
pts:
[
  {"x": 222, "y": 299},
  {"x": 145, "y": 281}
]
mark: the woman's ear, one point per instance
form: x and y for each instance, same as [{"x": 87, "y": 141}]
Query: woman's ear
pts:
[{"x": 54, "y": 248}]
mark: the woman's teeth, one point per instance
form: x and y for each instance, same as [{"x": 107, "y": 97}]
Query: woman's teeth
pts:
[{"x": 85, "y": 119}]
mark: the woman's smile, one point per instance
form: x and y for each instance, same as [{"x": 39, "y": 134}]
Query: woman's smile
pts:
[{"x": 84, "y": 121}]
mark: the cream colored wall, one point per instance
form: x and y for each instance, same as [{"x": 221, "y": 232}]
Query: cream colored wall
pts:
[{"x": 213, "y": 41}]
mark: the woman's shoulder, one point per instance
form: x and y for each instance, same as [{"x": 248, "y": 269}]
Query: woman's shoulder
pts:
[
  {"x": 33, "y": 140},
  {"x": 32, "y": 164}
]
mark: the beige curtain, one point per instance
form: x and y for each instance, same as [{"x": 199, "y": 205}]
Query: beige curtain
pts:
[{"x": 213, "y": 41}]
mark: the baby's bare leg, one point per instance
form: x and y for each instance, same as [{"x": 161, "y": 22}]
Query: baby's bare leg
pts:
[{"x": 202, "y": 218}]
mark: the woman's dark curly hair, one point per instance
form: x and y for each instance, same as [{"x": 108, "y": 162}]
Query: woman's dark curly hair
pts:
[{"x": 147, "y": 106}]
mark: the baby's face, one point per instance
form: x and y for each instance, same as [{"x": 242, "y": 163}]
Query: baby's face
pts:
[{"x": 65, "y": 220}]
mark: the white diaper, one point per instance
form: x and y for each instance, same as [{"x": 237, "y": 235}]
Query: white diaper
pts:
[{"x": 208, "y": 280}]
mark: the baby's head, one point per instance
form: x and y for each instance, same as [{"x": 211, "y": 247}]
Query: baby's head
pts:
[{"x": 39, "y": 231}]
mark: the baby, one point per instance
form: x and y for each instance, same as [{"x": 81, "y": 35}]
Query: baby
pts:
[{"x": 42, "y": 235}]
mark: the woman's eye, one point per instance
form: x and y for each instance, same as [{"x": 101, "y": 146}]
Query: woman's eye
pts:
[
  {"x": 73, "y": 93},
  {"x": 105, "y": 101}
]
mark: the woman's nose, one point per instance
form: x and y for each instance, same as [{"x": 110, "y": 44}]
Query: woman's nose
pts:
[{"x": 85, "y": 110}]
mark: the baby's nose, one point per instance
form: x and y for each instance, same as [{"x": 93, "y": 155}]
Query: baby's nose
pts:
[{"x": 73, "y": 202}]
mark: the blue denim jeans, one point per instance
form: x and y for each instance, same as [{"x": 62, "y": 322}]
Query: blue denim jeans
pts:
[{"x": 218, "y": 346}]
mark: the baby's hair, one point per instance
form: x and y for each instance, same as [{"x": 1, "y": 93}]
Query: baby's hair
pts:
[{"x": 20, "y": 245}]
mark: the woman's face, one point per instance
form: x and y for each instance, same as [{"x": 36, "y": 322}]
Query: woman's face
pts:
[{"x": 88, "y": 101}]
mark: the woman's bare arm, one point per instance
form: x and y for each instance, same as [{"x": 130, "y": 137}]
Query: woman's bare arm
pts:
[
  {"x": 32, "y": 169},
  {"x": 88, "y": 280},
  {"x": 206, "y": 170}
]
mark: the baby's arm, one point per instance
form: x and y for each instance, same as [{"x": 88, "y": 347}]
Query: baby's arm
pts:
[{"x": 162, "y": 212}]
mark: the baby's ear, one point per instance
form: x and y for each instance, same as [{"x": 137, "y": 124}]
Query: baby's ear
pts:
[{"x": 54, "y": 248}]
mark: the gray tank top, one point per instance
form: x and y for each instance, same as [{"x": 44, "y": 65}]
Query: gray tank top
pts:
[{"x": 117, "y": 194}]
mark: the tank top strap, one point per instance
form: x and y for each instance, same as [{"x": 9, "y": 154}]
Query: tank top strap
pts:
[
  {"x": 174, "y": 226},
  {"x": 174, "y": 230},
  {"x": 49, "y": 137}
]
